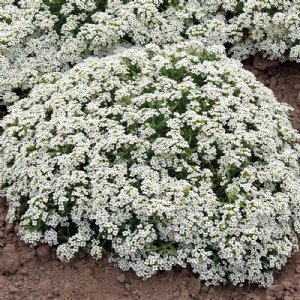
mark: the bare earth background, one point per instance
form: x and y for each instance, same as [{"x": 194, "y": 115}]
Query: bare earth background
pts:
[{"x": 35, "y": 273}]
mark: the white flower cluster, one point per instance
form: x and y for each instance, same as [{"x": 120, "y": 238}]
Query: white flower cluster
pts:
[
  {"x": 165, "y": 156},
  {"x": 41, "y": 38},
  {"x": 271, "y": 27}
]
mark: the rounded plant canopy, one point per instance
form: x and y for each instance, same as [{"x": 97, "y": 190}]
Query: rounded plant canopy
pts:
[{"x": 164, "y": 156}]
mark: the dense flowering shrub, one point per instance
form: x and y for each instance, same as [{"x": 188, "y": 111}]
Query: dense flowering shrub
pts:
[
  {"x": 250, "y": 26},
  {"x": 41, "y": 38},
  {"x": 165, "y": 157}
]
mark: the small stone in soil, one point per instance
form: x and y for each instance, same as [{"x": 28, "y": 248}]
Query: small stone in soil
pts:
[
  {"x": 23, "y": 272},
  {"x": 9, "y": 260},
  {"x": 121, "y": 278},
  {"x": 43, "y": 252},
  {"x": 286, "y": 285},
  {"x": 13, "y": 289},
  {"x": 297, "y": 86},
  {"x": 9, "y": 227},
  {"x": 16, "y": 229},
  {"x": 27, "y": 255},
  {"x": 45, "y": 285},
  {"x": 296, "y": 287},
  {"x": 176, "y": 294}
]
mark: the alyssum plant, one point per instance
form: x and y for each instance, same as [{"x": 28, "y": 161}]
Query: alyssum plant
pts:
[
  {"x": 163, "y": 156},
  {"x": 40, "y": 39}
]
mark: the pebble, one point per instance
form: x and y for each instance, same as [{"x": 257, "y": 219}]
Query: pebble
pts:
[
  {"x": 205, "y": 288},
  {"x": 296, "y": 287},
  {"x": 45, "y": 285},
  {"x": 56, "y": 291},
  {"x": 286, "y": 285},
  {"x": 121, "y": 278},
  {"x": 297, "y": 86},
  {"x": 9, "y": 227},
  {"x": 9, "y": 260},
  {"x": 135, "y": 293},
  {"x": 13, "y": 289},
  {"x": 16, "y": 229},
  {"x": 44, "y": 253},
  {"x": 176, "y": 294},
  {"x": 27, "y": 255},
  {"x": 23, "y": 272}
]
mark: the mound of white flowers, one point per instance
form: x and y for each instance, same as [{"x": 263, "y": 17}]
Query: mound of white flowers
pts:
[
  {"x": 40, "y": 39},
  {"x": 247, "y": 27},
  {"x": 164, "y": 157}
]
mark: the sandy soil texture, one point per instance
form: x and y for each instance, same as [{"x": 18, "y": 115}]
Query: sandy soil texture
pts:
[{"x": 35, "y": 273}]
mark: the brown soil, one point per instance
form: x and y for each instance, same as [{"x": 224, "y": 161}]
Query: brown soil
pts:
[{"x": 35, "y": 273}]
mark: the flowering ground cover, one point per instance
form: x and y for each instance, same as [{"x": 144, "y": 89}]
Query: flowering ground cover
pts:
[
  {"x": 41, "y": 38},
  {"x": 36, "y": 272},
  {"x": 164, "y": 154}
]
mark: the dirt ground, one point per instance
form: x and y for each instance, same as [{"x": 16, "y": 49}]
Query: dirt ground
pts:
[{"x": 35, "y": 273}]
